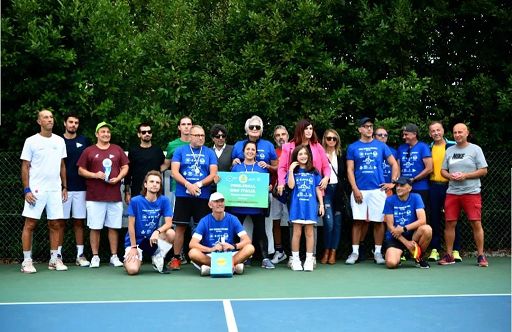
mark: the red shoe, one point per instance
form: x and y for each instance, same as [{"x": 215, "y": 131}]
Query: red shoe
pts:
[
  {"x": 482, "y": 261},
  {"x": 446, "y": 260},
  {"x": 175, "y": 264}
]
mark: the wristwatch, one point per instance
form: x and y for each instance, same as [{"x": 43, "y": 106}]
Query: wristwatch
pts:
[{"x": 405, "y": 229}]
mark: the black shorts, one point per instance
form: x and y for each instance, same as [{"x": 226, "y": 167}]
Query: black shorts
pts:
[
  {"x": 148, "y": 250},
  {"x": 190, "y": 207},
  {"x": 394, "y": 243}
]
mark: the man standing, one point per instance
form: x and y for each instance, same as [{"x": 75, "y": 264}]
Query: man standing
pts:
[
  {"x": 437, "y": 191},
  {"x": 74, "y": 206},
  {"x": 184, "y": 127},
  {"x": 104, "y": 165},
  {"x": 381, "y": 134},
  {"x": 144, "y": 235},
  {"x": 143, "y": 158},
  {"x": 223, "y": 151},
  {"x": 404, "y": 215},
  {"x": 365, "y": 158},
  {"x": 43, "y": 174},
  {"x": 193, "y": 167},
  {"x": 217, "y": 232},
  {"x": 415, "y": 162},
  {"x": 464, "y": 164}
]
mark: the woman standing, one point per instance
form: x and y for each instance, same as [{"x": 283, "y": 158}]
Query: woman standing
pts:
[{"x": 333, "y": 196}]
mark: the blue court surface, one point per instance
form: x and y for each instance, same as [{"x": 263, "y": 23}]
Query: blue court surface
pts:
[{"x": 414, "y": 313}]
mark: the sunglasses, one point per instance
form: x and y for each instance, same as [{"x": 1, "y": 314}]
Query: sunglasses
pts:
[
  {"x": 382, "y": 135},
  {"x": 331, "y": 138},
  {"x": 144, "y": 132},
  {"x": 254, "y": 127},
  {"x": 220, "y": 136}
]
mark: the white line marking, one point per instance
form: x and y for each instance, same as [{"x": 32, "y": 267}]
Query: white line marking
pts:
[
  {"x": 262, "y": 299},
  {"x": 230, "y": 316}
]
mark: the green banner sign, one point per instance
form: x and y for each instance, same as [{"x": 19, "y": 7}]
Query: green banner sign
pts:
[{"x": 247, "y": 189}]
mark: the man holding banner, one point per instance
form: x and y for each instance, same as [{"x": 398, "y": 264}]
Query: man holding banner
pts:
[{"x": 217, "y": 232}]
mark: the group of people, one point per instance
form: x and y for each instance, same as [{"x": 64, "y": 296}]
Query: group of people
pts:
[{"x": 71, "y": 178}]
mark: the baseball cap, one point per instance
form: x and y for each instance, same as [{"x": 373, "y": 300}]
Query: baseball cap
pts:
[
  {"x": 363, "y": 120},
  {"x": 216, "y": 196},
  {"x": 103, "y": 124},
  {"x": 411, "y": 128},
  {"x": 403, "y": 180}
]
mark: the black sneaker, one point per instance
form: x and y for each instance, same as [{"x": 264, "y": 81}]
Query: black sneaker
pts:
[{"x": 423, "y": 264}]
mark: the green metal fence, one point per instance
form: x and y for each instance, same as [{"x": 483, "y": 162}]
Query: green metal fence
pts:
[{"x": 496, "y": 193}]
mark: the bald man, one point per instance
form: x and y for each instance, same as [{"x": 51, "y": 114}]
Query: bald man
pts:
[{"x": 464, "y": 164}]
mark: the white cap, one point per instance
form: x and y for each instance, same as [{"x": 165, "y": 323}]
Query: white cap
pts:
[{"x": 216, "y": 196}]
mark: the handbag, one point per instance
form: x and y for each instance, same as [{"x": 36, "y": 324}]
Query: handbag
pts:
[{"x": 285, "y": 197}]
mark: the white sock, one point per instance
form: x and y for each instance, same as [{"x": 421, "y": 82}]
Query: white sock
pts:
[
  {"x": 27, "y": 254},
  {"x": 295, "y": 254},
  {"x": 309, "y": 255},
  {"x": 377, "y": 249},
  {"x": 53, "y": 254},
  {"x": 114, "y": 255},
  {"x": 59, "y": 251},
  {"x": 355, "y": 249},
  {"x": 79, "y": 250}
]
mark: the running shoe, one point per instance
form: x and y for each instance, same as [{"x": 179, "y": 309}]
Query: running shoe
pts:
[
  {"x": 267, "y": 264},
  {"x": 82, "y": 261},
  {"x": 434, "y": 256},
  {"x": 239, "y": 268},
  {"x": 27, "y": 266},
  {"x": 423, "y": 264},
  {"x": 482, "y": 261},
  {"x": 352, "y": 259},
  {"x": 378, "y": 258},
  {"x": 95, "y": 261},
  {"x": 175, "y": 264},
  {"x": 279, "y": 256},
  {"x": 309, "y": 264},
  {"x": 456, "y": 256},
  {"x": 57, "y": 264},
  {"x": 446, "y": 260},
  {"x": 115, "y": 262},
  {"x": 205, "y": 270}
]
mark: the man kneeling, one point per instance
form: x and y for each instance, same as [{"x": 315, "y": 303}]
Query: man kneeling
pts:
[
  {"x": 144, "y": 236},
  {"x": 216, "y": 232},
  {"x": 404, "y": 214}
]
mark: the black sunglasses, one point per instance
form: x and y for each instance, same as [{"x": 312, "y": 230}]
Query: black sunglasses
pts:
[
  {"x": 220, "y": 136},
  {"x": 382, "y": 135},
  {"x": 254, "y": 127},
  {"x": 331, "y": 138},
  {"x": 143, "y": 132}
]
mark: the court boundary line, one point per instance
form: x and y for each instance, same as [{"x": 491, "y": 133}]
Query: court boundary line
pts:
[
  {"x": 230, "y": 316},
  {"x": 264, "y": 299}
]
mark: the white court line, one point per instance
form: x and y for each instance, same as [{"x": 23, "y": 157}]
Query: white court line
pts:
[
  {"x": 263, "y": 299},
  {"x": 230, "y": 316}
]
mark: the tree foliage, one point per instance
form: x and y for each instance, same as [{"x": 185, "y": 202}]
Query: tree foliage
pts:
[{"x": 128, "y": 61}]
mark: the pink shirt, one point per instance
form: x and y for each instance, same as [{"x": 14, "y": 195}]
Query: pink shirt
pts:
[{"x": 320, "y": 161}]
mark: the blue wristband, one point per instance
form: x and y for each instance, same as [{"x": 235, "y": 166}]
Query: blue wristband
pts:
[{"x": 26, "y": 190}]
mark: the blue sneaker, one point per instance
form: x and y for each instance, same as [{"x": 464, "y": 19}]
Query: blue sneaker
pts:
[{"x": 267, "y": 264}]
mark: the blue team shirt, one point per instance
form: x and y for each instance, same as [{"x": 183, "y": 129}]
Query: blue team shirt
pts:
[
  {"x": 147, "y": 216},
  {"x": 245, "y": 168},
  {"x": 386, "y": 168},
  {"x": 404, "y": 212},
  {"x": 411, "y": 162},
  {"x": 212, "y": 231},
  {"x": 194, "y": 166},
  {"x": 303, "y": 202},
  {"x": 265, "y": 151},
  {"x": 368, "y": 160},
  {"x": 74, "y": 149}
]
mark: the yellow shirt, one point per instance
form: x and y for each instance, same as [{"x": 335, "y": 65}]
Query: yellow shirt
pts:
[{"x": 438, "y": 152}]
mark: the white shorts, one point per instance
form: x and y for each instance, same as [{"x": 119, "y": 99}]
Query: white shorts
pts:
[
  {"x": 108, "y": 214},
  {"x": 279, "y": 211},
  {"x": 76, "y": 205},
  {"x": 139, "y": 252},
  {"x": 51, "y": 200},
  {"x": 372, "y": 206}
]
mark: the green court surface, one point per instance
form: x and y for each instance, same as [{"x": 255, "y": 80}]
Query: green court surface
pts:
[{"x": 364, "y": 279}]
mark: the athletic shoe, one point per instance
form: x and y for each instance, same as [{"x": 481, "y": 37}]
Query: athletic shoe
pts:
[
  {"x": 296, "y": 264},
  {"x": 456, "y": 256},
  {"x": 416, "y": 253},
  {"x": 309, "y": 264},
  {"x": 82, "y": 261},
  {"x": 183, "y": 259},
  {"x": 447, "y": 260},
  {"x": 95, "y": 261},
  {"x": 158, "y": 262},
  {"x": 279, "y": 257},
  {"x": 314, "y": 262},
  {"x": 290, "y": 262},
  {"x": 378, "y": 259},
  {"x": 423, "y": 264},
  {"x": 27, "y": 266},
  {"x": 205, "y": 270},
  {"x": 57, "y": 265},
  {"x": 482, "y": 261},
  {"x": 267, "y": 264},
  {"x": 402, "y": 258},
  {"x": 352, "y": 259},
  {"x": 175, "y": 264},
  {"x": 434, "y": 256},
  {"x": 248, "y": 262},
  {"x": 239, "y": 268},
  {"x": 115, "y": 262}
]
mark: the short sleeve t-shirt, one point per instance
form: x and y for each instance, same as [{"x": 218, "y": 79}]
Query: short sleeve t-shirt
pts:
[
  {"x": 411, "y": 162},
  {"x": 74, "y": 149},
  {"x": 211, "y": 231},
  {"x": 404, "y": 212},
  {"x": 467, "y": 159},
  {"x": 368, "y": 159},
  {"x": 265, "y": 151},
  {"x": 303, "y": 202}
]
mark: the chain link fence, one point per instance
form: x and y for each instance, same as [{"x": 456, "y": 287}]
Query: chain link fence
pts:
[{"x": 496, "y": 214}]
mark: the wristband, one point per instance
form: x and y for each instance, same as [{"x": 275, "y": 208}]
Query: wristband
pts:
[
  {"x": 26, "y": 190},
  {"x": 159, "y": 232},
  {"x": 64, "y": 187},
  {"x": 134, "y": 247}
]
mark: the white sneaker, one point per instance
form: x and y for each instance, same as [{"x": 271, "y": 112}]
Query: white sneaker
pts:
[
  {"x": 290, "y": 262},
  {"x": 309, "y": 264},
  {"x": 205, "y": 270},
  {"x": 115, "y": 262},
  {"x": 296, "y": 264},
  {"x": 82, "y": 261},
  {"x": 352, "y": 259},
  {"x": 239, "y": 268},
  {"x": 27, "y": 266},
  {"x": 278, "y": 257},
  {"x": 95, "y": 261},
  {"x": 57, "y": 265},
  {"x": 158, "y": 262},
  {"x": 377, "y": 258}
]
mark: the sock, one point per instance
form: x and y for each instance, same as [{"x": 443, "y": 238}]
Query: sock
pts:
[
  {"x": 295, "y": 254},
  {"x": 27, "y": 254},
  {"x": 309, "y": 255},
  {"x": 59, "y": 251},
  {"x": 53, "y": 254},
  {"x": 377, "y": 249},
  {"x": 177, "y": 256},
  {"x": 79, "y": 250},
  {"x": 355, "y": 249},
  {"x": 114, "y": 255},
  {"x": 279, "y": 248}
]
